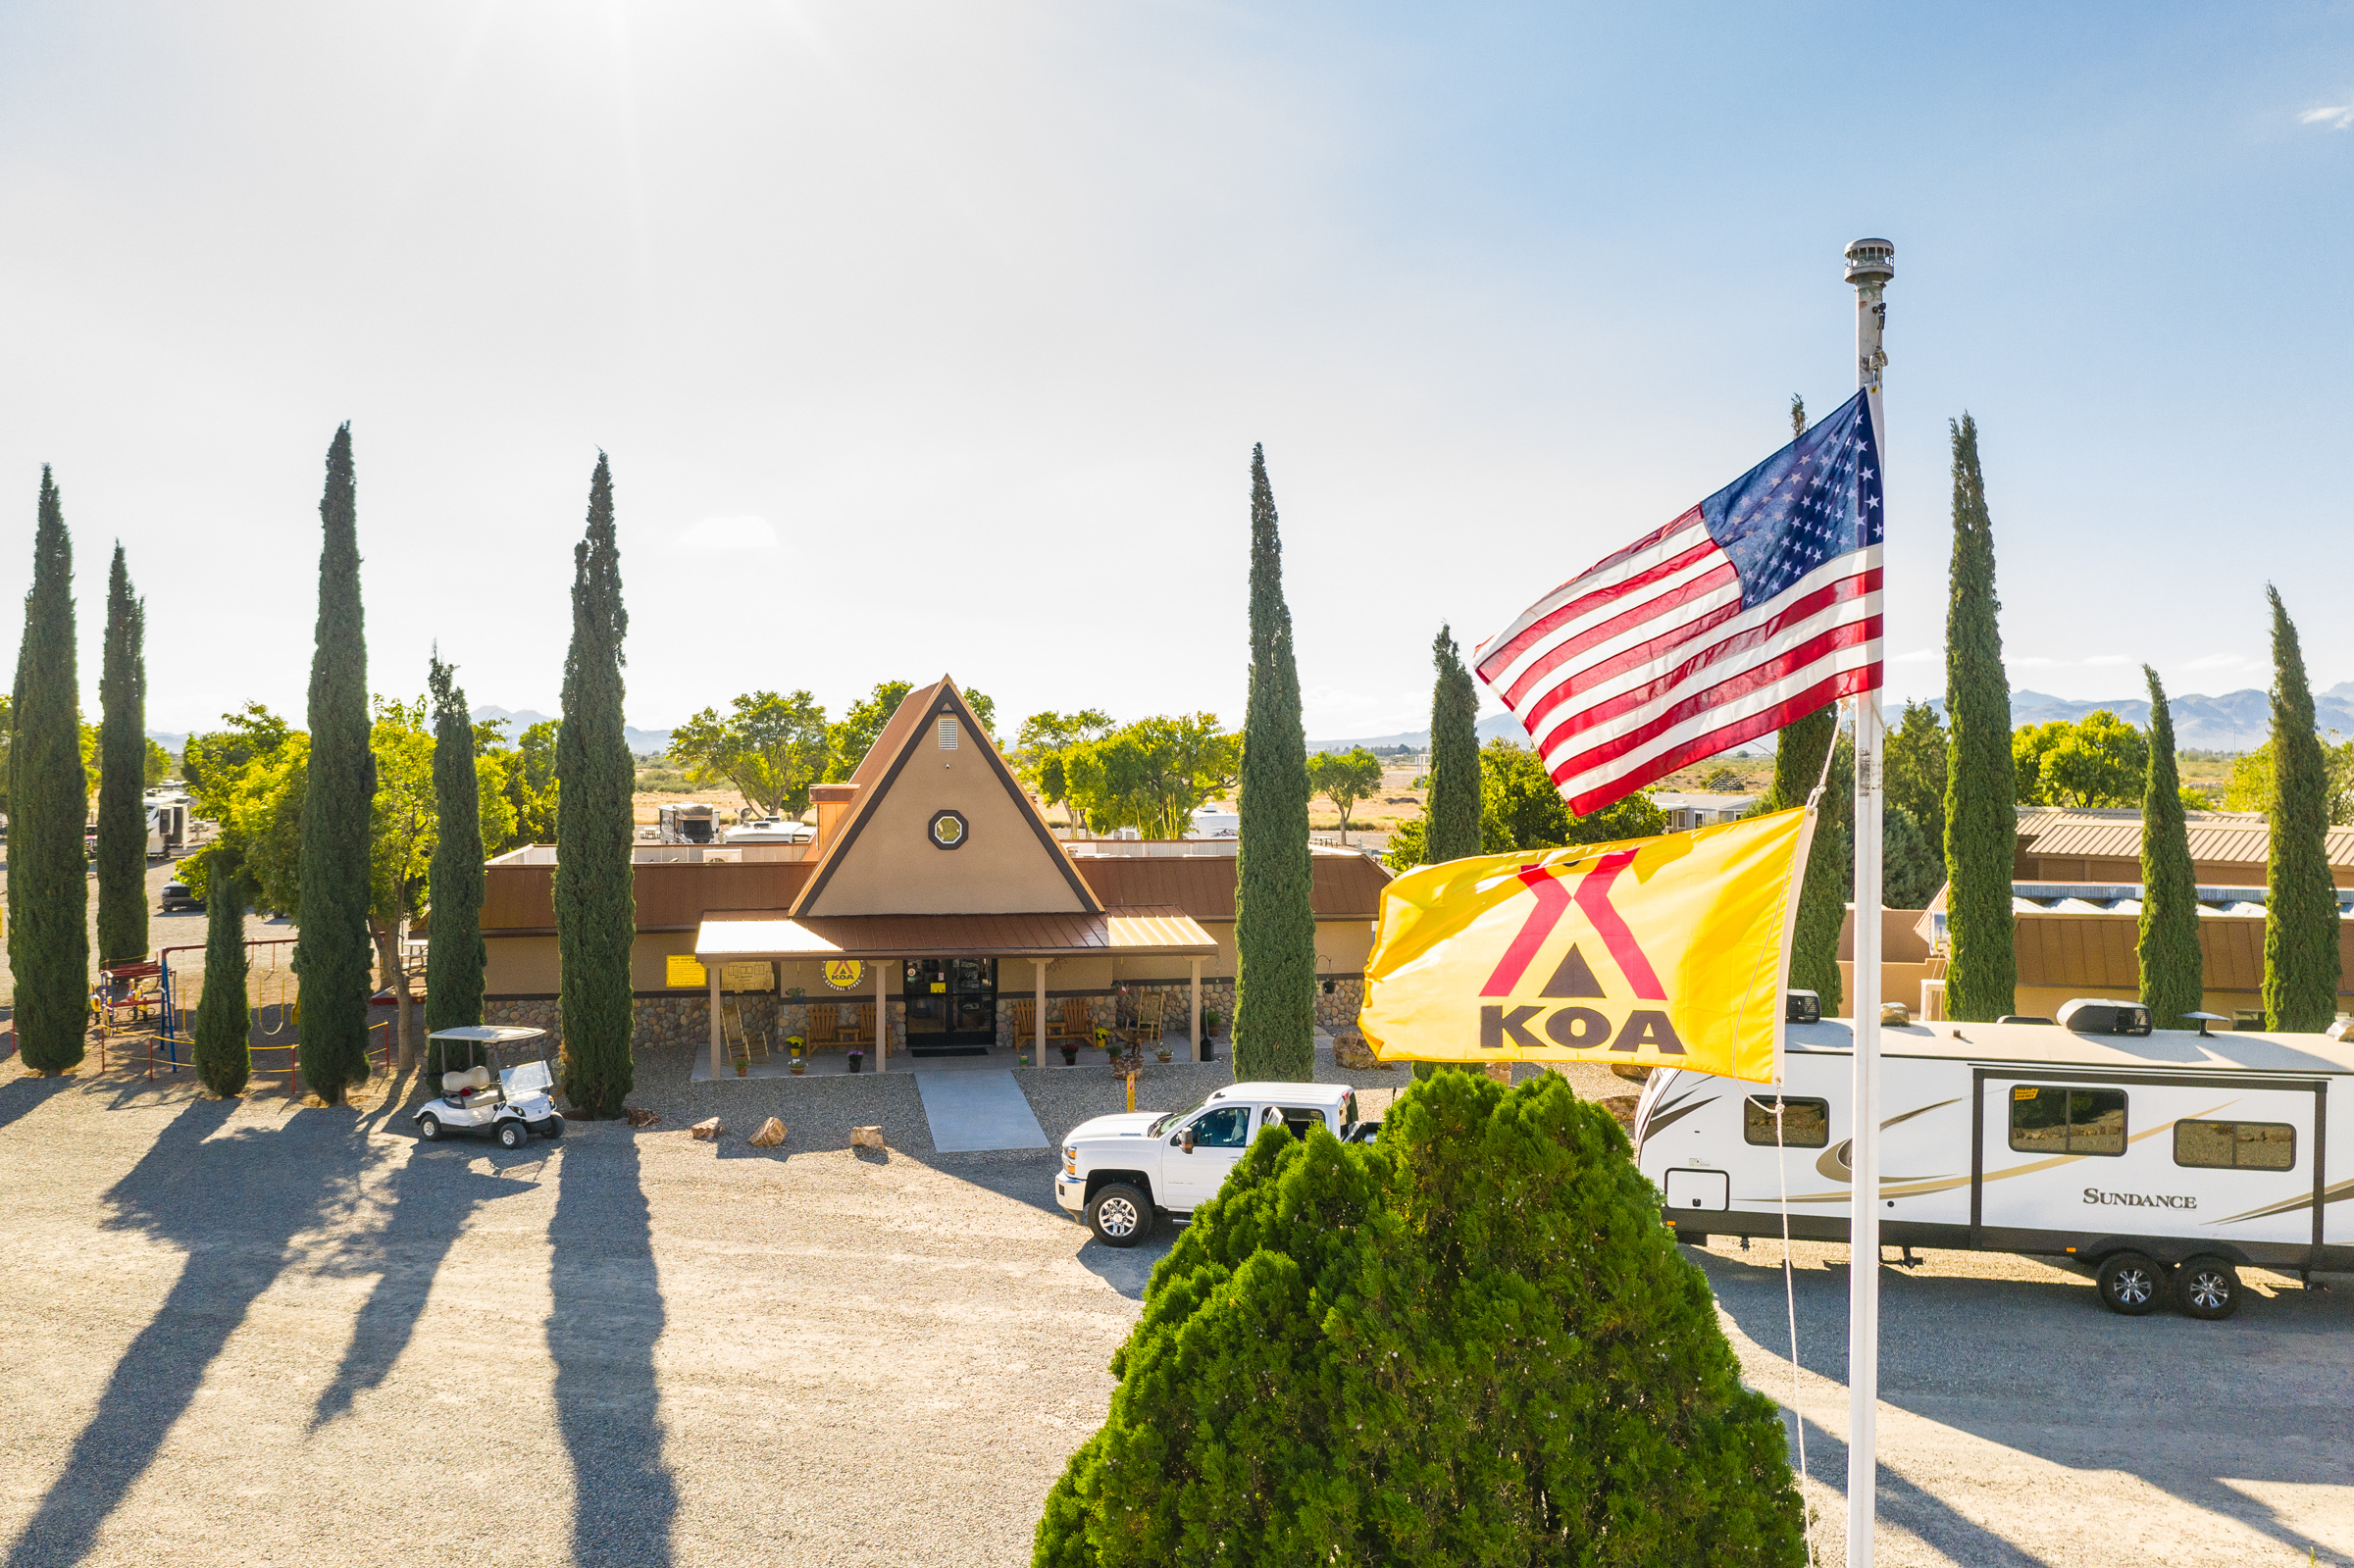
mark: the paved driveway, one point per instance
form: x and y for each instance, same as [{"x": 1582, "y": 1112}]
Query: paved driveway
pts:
[{"x": 247, "y": 1333}]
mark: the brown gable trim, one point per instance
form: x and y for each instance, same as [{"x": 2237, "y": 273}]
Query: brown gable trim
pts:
[{"x": 946, "y": 697}]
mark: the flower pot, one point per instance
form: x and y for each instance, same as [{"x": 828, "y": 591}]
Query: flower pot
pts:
[
  {"x": 1164, "y": 1053},
  {"x": 857, "y": 1060},
  {"x": 798, "y": 1064},
  {"x": 743, "y": 1068},
  {"x": 1070, "y": 1056}
]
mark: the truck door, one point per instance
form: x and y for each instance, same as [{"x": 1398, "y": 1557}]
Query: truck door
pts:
[
  {"x": 2174, "y": 1156},
  {"x": 1191, "y": 1178}
]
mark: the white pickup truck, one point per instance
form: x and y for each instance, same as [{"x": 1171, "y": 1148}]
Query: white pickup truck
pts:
[{"x": 1119, "y": 1171}]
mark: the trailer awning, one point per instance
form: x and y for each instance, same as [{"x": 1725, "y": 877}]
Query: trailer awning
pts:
[{"x": 1156, "y": 930}]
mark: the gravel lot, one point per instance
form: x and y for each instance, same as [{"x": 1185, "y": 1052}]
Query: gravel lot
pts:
[{"x": 248, "y": 1333}]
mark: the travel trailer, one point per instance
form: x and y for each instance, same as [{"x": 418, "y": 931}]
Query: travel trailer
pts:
[
  {"x": 689, "y": 822},
  {"x": 2163, "y": 1160},
  {"x": 169, "y": 823}
]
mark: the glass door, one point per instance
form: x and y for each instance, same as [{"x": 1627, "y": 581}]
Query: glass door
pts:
[{"x": 951, "y": 1002}]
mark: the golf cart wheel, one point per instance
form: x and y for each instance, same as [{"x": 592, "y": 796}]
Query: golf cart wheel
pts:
[
  {"x": 2207, "y": 1288},
  {"x": 555, "y": 1127},
  {"x": 513, "y": 1134},
  {"x": 2131, "y": 1285},
  {"x": 429, "y": 1127},
  {"x": 1120, "y": 1214}
]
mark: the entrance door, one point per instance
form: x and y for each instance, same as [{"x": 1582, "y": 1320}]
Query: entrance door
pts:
[{"x": 951, "y": 1006}]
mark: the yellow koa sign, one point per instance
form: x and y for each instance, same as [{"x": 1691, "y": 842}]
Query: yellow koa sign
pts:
[{"x": 1667, "y": 952}]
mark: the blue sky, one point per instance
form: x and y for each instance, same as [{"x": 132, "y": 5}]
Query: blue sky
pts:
[{"x": 937, "y": 336}]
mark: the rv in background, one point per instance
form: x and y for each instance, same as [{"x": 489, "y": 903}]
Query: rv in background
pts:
[
  {"x": 689, "y": 822},
  {"x": 2161, "y": 1160}
]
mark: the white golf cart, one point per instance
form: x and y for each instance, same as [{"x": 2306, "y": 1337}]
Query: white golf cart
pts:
[{"x": 503, "y": 1089}]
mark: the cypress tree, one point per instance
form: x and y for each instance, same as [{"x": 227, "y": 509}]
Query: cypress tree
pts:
[
  {"x": 454, "y": 958},
  {"x": 596, "y": 909},
  {"x": 1798, "y": 763},
  {"x": 2173, "y": 973},
  {"x": 1453, "y": 799},
  {"x": 1274, "y": 926},
  {"x": 223, "y": 1027},
  {"x": 2300, "y": 903},
  {"x": 1473, "y": 1342},
  {"x": 1981, "y": 818},
  {"x": 48, "y": 886},
  {"x": 122, "y": 773},
  {"x": 330, "y": 944}
]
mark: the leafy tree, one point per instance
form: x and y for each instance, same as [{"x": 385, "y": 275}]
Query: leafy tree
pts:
[
  {"x": 2250, "y": 786},
  {"x": 123, "y": 748},
  {"x": 530, "y": 785},
  {"x": 1522, "y": 809},
  {"x": 1454, "y": 804},
  {"x": 330, "y": 944},
  {"x": 2301, "y": 956},
  {"x": 1799, "y": 761},
  {"x": 2173, "y": 970},
  {"x": 455, "y": 957},
  {"x": 1042, "y": 750},
  {"x": 1914, "y": 773},
  {"x": 1152, "y": 775},
  {"x": 770, "y": 749},
  {"x": 855, "y": 735},
  {"x": 252, "y": 779},
  {"x": 1353, "y": 1355},
  {"x": 160, "y": 764},
  {"x": 48, "y": 890},
  {"x": 223, "y": 1027},
  {"x": 1343, "y": 778},
  {"x": 211, "y": 763},
  {"x": 1407, "y": 845},
  {"x": 2099, "y": 760},
  {"x": 405, "y": 825},
  {"x": 1981, "y": 819},
  {"x": 1910, "y": 868},
  {"x": 1274, "y": 924},
  {"x": 595, "y": 910}
]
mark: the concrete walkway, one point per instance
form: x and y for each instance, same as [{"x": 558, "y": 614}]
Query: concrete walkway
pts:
[{"x": 971, "y": 1111}]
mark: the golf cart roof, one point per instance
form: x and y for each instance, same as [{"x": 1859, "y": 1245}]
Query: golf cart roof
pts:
[{"x": 487, "y": 1033}]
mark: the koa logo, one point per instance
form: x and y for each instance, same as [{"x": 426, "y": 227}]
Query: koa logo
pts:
[
  {"x": 2141, "y": 1200},
  {"x": 1574, "y": 981}
]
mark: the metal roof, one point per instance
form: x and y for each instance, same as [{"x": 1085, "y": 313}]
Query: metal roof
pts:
[
  {"x": 2049, "y": 1046},
  {"x": 1129, "y": 933},
  {"x": 2231, "y": 836},
  {"x": 1342, "y": 887}
]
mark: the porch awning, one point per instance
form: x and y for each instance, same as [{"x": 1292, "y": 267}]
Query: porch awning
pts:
[{"x": 1130, "y": 933}]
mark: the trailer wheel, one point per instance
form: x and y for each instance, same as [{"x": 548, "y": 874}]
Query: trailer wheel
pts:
[
  {"x": 2131, "y": 1284},
  {"x": 2207, "y": 1288}
]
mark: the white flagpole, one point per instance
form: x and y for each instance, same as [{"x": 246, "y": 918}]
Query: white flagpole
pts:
[{"x": 1870, "y": 267}]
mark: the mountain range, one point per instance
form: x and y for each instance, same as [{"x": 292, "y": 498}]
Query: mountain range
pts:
[
  {"x": 641, "y": 742},
  {"x": 2236, "y": 721}
]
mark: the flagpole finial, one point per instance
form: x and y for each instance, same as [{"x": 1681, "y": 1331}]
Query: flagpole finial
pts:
[{"x": 1871, "y": 263}]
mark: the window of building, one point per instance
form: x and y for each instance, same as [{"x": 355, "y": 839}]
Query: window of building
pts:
[
  {"x": 1805, "y": 1123},
  {"x": 2235, "y": 1145},
  {"x": 948, "y": 733},
  {"x": 2053, "y": 1119}
]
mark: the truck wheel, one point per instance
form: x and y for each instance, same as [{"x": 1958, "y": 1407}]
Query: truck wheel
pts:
[
  {"x": 2131, "y": 1284},
  {"x": 1120, "y": 1214},
  {"x": 513, "y": 1134},
  {"x": 2207, "y": 1288},
  {"x": 429, "y": 1127}
]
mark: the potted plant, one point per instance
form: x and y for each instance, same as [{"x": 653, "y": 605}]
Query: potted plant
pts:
[
  {"x": 744, "y": 1066},
  {"x": 793, "y": 1048},
  {"x": 1164, "y": 1053},
  {"x": 1070, "y": 1056},
  {"x": 857, "y": 1059}
]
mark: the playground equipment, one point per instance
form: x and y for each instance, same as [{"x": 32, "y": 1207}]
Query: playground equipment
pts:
[
  {"x": 513, "y": 1106},
  {"x": 275, "y": 1013}
]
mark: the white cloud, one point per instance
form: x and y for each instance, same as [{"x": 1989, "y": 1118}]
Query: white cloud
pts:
[
  {"x": 1916, "y": 656},
  {"x": 718, "y": 534},
  {"x": 2336, "y": 119},
  {"x": 2224, "y": 661}
]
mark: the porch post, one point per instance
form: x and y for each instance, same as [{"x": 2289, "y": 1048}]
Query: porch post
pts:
[
  {"x": 882, "y": 1022},
  {"x": 1038, "y": 1020},
  {"x": 1194, "y": 1028},
  {"x": 718, "y": 1050}
]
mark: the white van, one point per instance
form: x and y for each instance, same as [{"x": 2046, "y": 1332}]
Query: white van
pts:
[{"x": 2162, "y": 1159}]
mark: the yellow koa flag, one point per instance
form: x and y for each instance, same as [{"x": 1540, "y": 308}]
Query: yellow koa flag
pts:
[{"x": 1668, "y": 952}]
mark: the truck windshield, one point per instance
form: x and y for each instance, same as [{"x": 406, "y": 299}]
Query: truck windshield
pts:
[{"x": 1173, "y": 1118}]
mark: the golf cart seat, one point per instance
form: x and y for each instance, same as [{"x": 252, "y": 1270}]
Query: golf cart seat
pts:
[{"x": 457, "y": 1083}]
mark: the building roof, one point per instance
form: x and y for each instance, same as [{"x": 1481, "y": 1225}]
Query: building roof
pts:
[
  {"x": 2049, "y": 1046},
  {"x": 1128, "y": 932},
  {"x": 2232, "y": 836},
  {"x": 1344, "y": 887}
]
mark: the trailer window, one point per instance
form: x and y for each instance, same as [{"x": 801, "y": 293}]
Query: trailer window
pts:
[
  {"x": 2050, "y": 1119},
  {"x": 1805, "y": 1123},
  {"x": 2235, "y": 1145}
]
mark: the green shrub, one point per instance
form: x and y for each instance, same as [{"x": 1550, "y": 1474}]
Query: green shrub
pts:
[{"x": 1472, "y": 1343}]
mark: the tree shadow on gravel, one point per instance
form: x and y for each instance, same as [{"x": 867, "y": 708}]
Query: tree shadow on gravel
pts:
[
  {"x": 430, "y": 1202},
  {"x": 606, "y": 1317},
  {"x": 234, "y": 1205},
  {"x": 20, "y": 1097}
]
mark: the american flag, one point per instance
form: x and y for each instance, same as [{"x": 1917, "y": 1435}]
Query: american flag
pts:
[{"x": 1755, "y": 608}]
